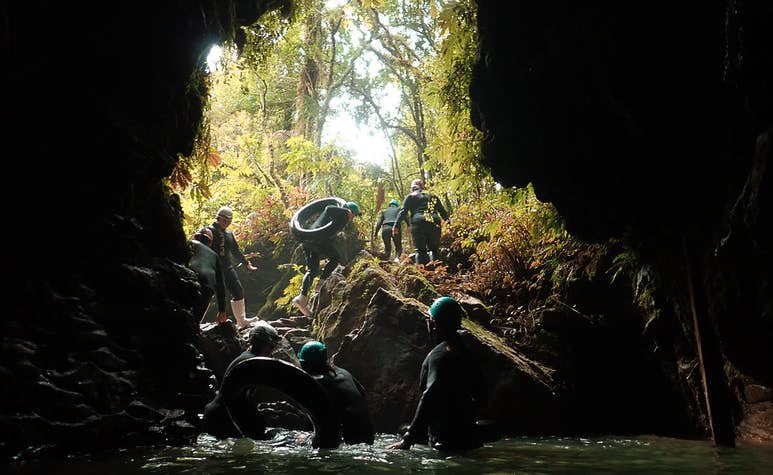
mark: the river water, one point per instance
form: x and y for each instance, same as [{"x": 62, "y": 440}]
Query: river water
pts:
[{"x": 280, "y": 455}]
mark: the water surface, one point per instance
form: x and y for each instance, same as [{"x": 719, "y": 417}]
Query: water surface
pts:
[{"x": 282, "y": 454}]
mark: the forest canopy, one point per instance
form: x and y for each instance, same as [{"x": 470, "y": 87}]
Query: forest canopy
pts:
[{"x": 261, "y": 148}]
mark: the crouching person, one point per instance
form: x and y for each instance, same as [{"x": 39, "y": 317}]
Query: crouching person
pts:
[
  {"x": 346, "y": 393},
  {"x": 216, "y": 420}
]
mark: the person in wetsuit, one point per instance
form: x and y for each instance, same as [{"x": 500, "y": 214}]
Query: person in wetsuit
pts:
[
  {"x": 451, "y": 386},
  {"x": 346, "y": 393},
  {"x": 425, "y": 210},
  {"x": 216, "y": 420},
  {"x": 315, "y": 250},
  {"x": 224, "y": 243},
  {"x": 388, "y": 220},
  {"x": 206, "y": 264}
]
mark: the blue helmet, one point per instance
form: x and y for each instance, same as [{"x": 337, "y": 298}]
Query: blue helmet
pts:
[{"x": 394, "y": 203}]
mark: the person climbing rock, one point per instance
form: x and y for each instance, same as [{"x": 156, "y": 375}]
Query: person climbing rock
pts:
[
  {"x": 451, "y": 387},
  {"x": 426, "y": 211},
  {"x": 224, "y": 243},
  {"x": 392, "y": 229},
  {"x": 346, "y": 393},
  {"x": 216, "y": 420},
  {"x": 206, "y": 264},
  {"x": 315, "y": 249}
]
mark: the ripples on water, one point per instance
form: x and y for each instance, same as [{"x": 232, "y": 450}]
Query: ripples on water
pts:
[{"x": 611, "y": 455}]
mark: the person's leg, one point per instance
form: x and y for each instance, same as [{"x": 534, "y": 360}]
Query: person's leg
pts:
[
  {"x": 333, "y": 258},
  {"x": 238, "y": 306},
  {"x": 386, "y": 236},
  {"x": 233, "y": 284},
  {"x": 398, "y": 240},
  {"x": 312, "y": 269},
  {"x": 418, "y": 232},
  {"x": 433, "y": 241}
]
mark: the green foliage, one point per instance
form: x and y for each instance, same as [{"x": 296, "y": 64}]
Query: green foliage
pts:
[
  {"x": 292, "y": 289},
  {"x": 515, "y": 247},
  {"x": 643, "y": 279},
  {"x": 454, "y": 145},
  {"x": 260, "y": 151},
  {"x": 303, "y": 157}
]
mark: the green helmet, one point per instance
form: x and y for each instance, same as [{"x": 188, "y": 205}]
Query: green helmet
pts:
[
  {"x": 313, "y": 354},
  {"x": 446, "y": 312},
  {"x": 354, "y": 207},
  {"x": 394, "y": 203}
]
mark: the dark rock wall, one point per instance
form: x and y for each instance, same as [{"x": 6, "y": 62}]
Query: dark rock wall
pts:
[
  {"x": 98, "y": 340},
  {"x": 651, "y": 122},
  {"x": 624, "y": 115}
]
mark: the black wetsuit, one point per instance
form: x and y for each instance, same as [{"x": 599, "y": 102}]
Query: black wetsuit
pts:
[
  {"x": 314, "y": 250},
  {"x": 451, "y": 385},
  {"x": 206, "y": 264},
  {"x": 425, "y": 211},
  {"x": 348, "y": 398},
  {"x": 224, "y": 243},
  {"x": 217, "y": 422},
  {"x": 389, "y": 221}
]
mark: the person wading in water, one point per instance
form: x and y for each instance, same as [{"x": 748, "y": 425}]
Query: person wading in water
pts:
[{"x": 451, "y": 387}]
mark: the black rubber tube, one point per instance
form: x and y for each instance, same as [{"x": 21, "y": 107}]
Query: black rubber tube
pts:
[
  {"x": 294, "y": 382},
  {"x": 303, "y": 218}
]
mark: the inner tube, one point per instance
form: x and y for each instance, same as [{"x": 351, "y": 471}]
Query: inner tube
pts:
[
  {"x": 294, "y": 382},
  {"x": 305, "y": 217}
]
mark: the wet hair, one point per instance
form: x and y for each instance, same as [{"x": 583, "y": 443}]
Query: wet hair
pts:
[{"x": 262, "y": 335}]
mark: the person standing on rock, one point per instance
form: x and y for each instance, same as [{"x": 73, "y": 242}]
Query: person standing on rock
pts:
[
  {"x": 315, "y": 249},
  {"x": 346, "y": 393},
  {"x": 216, "y": 421},
  {"x": 450, "y": 383},
  {"x": 392, "y": 229},
  {"x": 426, "y": 211},
  {"x": 224, "y": 243},
  {"x": 206, "y": 264}
]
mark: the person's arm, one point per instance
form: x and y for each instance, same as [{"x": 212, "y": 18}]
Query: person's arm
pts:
[
  {"x": 339, "y": 214},
  {"x": 420, "y": 421},
  {"x": 403, "y": 215},
  {"x": 378, "y": 224},
  {"x": 441, "y": 209},
  {"x": 233, "y": 247}
]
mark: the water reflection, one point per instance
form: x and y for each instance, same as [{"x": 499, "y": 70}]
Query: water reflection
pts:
[{"x": 608, "y": 455}]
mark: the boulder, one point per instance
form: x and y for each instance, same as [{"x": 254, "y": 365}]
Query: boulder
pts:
[{"x": 386, "y": 353}]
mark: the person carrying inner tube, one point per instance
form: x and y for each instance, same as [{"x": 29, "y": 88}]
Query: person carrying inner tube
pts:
[
  {"x": 390, "y": 223},
  {"x": 346, "y": 393},
  {"x": 425, "y": 211},
  {"x": 315, "y": 249},
  {"x": 450, "y": 383},
  {"x": 224, "y": 243},
  {"x": 216, "y": 420},
  {"x": 206, "y": 264}
]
